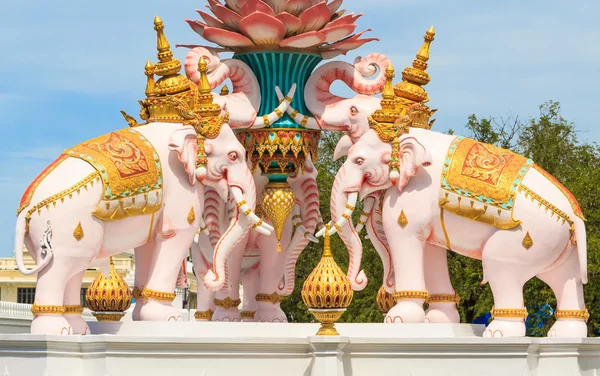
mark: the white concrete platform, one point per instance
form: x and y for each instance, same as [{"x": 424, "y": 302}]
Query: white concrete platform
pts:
[{"x": 253, "y": 349}]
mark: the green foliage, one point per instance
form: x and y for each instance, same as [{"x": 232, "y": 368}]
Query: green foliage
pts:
[{"x": 551, "y": 142}]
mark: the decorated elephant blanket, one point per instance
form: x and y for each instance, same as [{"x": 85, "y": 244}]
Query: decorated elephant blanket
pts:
[
  {"x": 130, "y": 170},
  {"x": 480, "y": 182}
]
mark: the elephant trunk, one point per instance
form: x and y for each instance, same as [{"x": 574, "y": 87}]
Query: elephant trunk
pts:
[
  {"x": 380, "y": 242},
  {"x": 340, "y": 205},
  {"x": 318, "y": 96},
  {"x": 213, "y": 214}
]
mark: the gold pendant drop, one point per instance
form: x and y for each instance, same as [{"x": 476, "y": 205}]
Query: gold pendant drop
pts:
[
  {"x": 527, "y": 241},
  {"x": 191, "y": 216},
  {"x": 402, "y": 220},
  {"x": 78, "y": 233}
]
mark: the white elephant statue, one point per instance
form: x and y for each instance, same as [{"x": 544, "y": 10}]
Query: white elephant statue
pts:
[{"x": 442, "y": 192}]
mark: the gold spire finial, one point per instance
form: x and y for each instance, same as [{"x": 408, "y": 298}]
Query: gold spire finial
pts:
[
  {"x": 327, "y": 241},
  {"x": 167, "y": 66},
  {"x": 162, "y": 44},
  {"x": 150, "y": 81},
  {"x": 423, "y": 54},
  {"x": 388, "y": 89},
  {"x": 383, "y": 120},
  {"x": 415, "y": 77},
  {"x": 204, "y": 85}
]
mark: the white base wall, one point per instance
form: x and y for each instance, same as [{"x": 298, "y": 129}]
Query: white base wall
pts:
[{"x": 256, "y": 349}]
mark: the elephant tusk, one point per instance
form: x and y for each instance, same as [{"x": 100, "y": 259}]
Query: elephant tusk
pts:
[
  {"x": 308, "y": 122},
  {"x": 203, "y": 226},
  {"x": 266, "y": 120},
  {"x": 322, "y": 230},
  {"x": 364, "y": 216},
  {"x": 249, "y": 213},
  {"x": 299, "y": 225},
  {"x": 346, "y": 216}
]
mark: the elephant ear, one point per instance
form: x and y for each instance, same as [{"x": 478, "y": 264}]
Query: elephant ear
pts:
[
  {"x": 184, "y": 143},
  {"x": 413, "y": 155},
  {"x": 342, "y": 147}
]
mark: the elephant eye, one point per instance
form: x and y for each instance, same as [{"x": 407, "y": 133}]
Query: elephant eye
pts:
[
  {"x": 359, "y": 161},
  {"x": 233, "y": 156},
  {"x": 353, "y": 110}
]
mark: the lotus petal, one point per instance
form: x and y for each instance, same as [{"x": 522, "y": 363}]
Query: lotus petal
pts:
[
  {"x": 235, "y": 5},
  {"x": 310, "y": 39},
  {"x": 197, "y": 26},
  {"x": 315, "y": 17},
  {"x": 349, "y": 44},
  {"x": 226, "y": 38},
  {"x": 211, "y": 49},
  {"x": 330, "y": 54},
  {"x": 335, "y": 33},
  {"x": 348, "y": 19},
  {"x": 335, "y": 5},
  {"x": 252, "y": 6},
  {"x": 291, "y": 22},
  {"x": 228, "y": 17},
  {"x": 296, "y": 7},
  {"x": 212, "y": 4},
  {"x": 278, "y": 6},
  {"x": 263, "y": 28},
  {"x": 210, "y": 20}
]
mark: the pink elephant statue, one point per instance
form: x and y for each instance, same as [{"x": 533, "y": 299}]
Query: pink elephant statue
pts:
[
  {"x": 266, "y": 274},
  {"x": 133, "y": 188},
  {"x": 435, "y": 192}
]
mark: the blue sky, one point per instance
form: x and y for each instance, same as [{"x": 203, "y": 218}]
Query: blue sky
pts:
[{"x": 68, "y": 67}]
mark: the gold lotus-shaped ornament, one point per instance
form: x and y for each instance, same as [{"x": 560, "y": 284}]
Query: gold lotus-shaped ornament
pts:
[
  {"x": 327, "y": 291},
  {"x": 385, "y": 300},
  {"x": 277, "y": 203},
  {"x": 108, "y": 298}
]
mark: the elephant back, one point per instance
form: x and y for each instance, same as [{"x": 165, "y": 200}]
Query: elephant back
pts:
[{"x": 130, "y": 170}]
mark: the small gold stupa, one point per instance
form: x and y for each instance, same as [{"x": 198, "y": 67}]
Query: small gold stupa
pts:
[
  {"x": 327, "y": 291},
  {"x": 385, "y": 300},
  {"x": 108, "y": 298}
]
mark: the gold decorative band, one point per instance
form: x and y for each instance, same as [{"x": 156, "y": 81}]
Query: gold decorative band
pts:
[
  {"x": 47, "y": 310},
  {"x": 304, "y": 121},
  {"x": 248, "y": 314},
  {"x": 241, "y": 203},
  {"x": 257, "y": 224},
  {"x": 402, "y": 295},
  {"x": 444, "y": 298},
  {"x": 247, "y": 212},
  {"x": 273, "y": 298},
  {"x": 157, "y": 295},
  {"x": 288, "y": 99},
  {"x": 346, "y": 216},
  {"x": 298, "y": 216},
  {"x": 350, "y": 207},
  {"x": 227, "y": 303},
  {"x": 278, "y": 112},
  {"x": 266, "y": 120},
  {"x": 362, "y": 223},
  {"x": 73, "y": 309},
  {"x": 365, "y": 214},
  {"x": 509, "y": 312},
  {"x": 572, "y": 314},
  {"x": 294, "y": 114},
  {"x": 203, "y": 315},
  {"x": 203, "y": 228},
  {"x": 136, "y": 293},
  {"x": 337, "y": 227}
]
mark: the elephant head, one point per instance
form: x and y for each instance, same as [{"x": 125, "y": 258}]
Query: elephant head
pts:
[
  {"x": 365, "y": 171},
  {"x": 244, "y": 101},
  {"x": 335, "y": 113},
  {"x": 227, "y": 172}
]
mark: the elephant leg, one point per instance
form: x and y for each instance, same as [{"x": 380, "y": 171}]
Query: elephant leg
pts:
[
  {"x": 408, "y": 261},
  {"x": 565, "y": 281},
  {"x": 228, "y": 299},
  {"x": 250, "y": 284},
  {"x": 73, "y": 305},
  {"x": 442, "y": 297},
  {"x": 205, "y": 306},
  {"x": 143, "y": 261},
  {"x": 50, "y": 292},
  {"x": 271, "y": 271},
  {"x": 506, "y": 278},
  {"x": 166, "y": 262}
]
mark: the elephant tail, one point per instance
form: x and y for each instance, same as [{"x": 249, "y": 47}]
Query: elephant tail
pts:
[
  {"x": 46, "y": 253},
  {"x": 580, "y": 239}
]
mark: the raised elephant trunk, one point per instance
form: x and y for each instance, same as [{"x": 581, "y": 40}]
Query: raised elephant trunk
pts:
[{"x": 342, "y": 205}]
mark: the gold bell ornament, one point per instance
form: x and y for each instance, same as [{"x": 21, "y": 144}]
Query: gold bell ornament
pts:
[
  {"x": 277, "y": 202},
  {"x": 327, "y": 291}
]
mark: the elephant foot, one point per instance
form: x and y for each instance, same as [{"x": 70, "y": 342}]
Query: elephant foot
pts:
[
  {"x": 406, "y": 311},
  {"x": 78, "y": 324},
  {"x": 568, "y": 328},
  {"x": 442, "y": 313},
  {"x": 227, "y": 314},
  {"x": 154, "y": 310},
  {"x": 51, "y": 324},
  {"x": 270, "y": 313},
  {"x": 503, "y": 327}
]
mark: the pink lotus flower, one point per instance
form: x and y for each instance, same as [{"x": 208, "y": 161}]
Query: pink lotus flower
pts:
[{"x": 308, "y": 25}]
